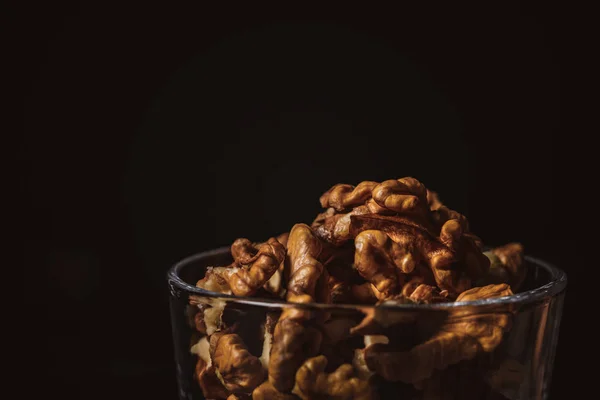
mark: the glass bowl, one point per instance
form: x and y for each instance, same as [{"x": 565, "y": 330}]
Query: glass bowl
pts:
[{"x": 512, "y": 357}]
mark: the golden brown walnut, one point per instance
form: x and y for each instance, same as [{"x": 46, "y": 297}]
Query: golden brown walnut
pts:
[
  {"x": 258, "y": 266},
  {"x": 423, "y": 247},
  {"x": 321, "y": 217},
  {"x": 195, "y": 313},
  {"x": 485, "y": 292},
  {"x": 428, "y": 294},
  {"x": 343, "y": 196},
  {"x": 239, "y": 370},
  {"x": 303, "y": 250},
  {"x": 266, "y": 391},
  {"x": 312, "y": 382},
  {"x": 464, "y": 334},
  {"x": 335, "y": 229},
  {"x": 378, "y": 259},
  {"x": 378, "y": 319},
  {"x": 208, "y": 319},
  {"x": 360, "y": 365},
  {"x": 511, "y": 256},
  {"x": 412, "y": 284},
  {"x": 211, "y": 386},
  {"x": 440, "y": 213},
  {"x": 294, "y": 340},
  {"x": 275, "y": 284},
  {"x": 405, "y": 195},
  {"x": 242, "y": 250},
  {"x": 507, "y": 265},
  {"x": 443, "y": 214},
  {"x": 409, "y": 198},
  {"x": 454, "y": 227},
  {"x": 216, "y": 279}
]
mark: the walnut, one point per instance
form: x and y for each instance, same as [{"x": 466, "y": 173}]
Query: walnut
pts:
[
  {"x": 462, "y": 336},
  {"x": 211, "y": 386},
  {"x": 259, "y": 265},
  {"x": 506, "y": 265},
  {"x": 322, "y": 217},
  {"x": 275, "y": 284},
  {"x": 381, "y": 244},
  {"x": 360, "y": 365},
  {"x": 243, "y": 250},
  {"x": 413, "y": 283},
  {"x": 342, "y": 196},
  {"x": 216, "y": 279},
  {"x": 209, "y": 317},
  {"x": 294, "y": 340},
  {"x": 377, "y": 259},
  {"x": 304, "y": 249},
  {"x": 239, "y": 370},
  {"x": 195, "y": 313},
  {"x": 428, "y": 294},
  {"x": 266, "y": 391},
  {"x": 418, "y": 241},
  {"x": 405, "y": 195},
  {"x": 201, "y": 349},
  {"x": 312, "y": 382},
  {"x": 485, "y": 292},
  {"x": 420, "y": 362},
  {"x": 335, "y": 229},
  {"x": 406, "y": 201},
  {"x": 269, "y": 328},
  {"x": 377, "y": 320}
]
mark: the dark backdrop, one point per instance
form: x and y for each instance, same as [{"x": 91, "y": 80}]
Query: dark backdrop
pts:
[{"x": 153, "y": 132}]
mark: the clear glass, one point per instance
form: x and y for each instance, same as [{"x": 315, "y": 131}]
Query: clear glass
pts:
[{"x": 522, "y": 329}]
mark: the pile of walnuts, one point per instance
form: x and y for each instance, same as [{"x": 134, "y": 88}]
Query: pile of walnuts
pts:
[{"x": 378, "y": 244}]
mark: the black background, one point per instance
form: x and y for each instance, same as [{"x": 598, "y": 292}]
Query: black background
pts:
[{"x": 151, "y": 132}]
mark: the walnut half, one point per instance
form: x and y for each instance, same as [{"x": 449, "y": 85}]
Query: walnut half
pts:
[
  {"x": 239, "y": 370},
  {"x": 312, "y": 382}
]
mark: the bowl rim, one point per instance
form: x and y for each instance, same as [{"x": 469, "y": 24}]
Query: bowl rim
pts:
[{"x": 551, "y": 289}]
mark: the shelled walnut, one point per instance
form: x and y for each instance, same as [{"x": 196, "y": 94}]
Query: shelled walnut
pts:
[{"x": 394, "y": 252}]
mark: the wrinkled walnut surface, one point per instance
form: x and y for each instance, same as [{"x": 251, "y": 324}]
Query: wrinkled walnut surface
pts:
[
  {"x": 239, "y": 370},
  {"x": 376, "y": 243}
]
